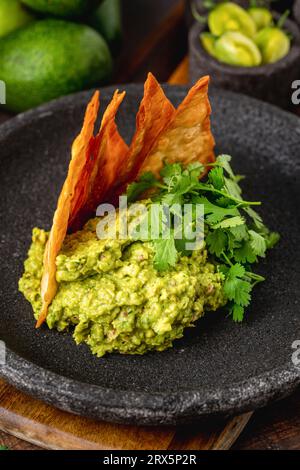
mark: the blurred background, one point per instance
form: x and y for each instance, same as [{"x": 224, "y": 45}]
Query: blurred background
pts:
[{"x": 50, "y": 49}]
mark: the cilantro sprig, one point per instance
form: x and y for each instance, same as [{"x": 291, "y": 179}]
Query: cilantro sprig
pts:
[{"x": 235, "y": 234}]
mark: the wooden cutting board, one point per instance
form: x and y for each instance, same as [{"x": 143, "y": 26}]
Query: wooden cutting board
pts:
[{"x": 50, "y": 428}]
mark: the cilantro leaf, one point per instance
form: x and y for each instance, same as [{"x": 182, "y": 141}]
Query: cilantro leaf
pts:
[
  {"x": 242, "y": 293},
  {"x": 216, "y": 177},
  {"x": 258, "y": 222},
  {"x": 237, "y": 313},
  {"x": 217, "y": 242},
  {"x": 232, "y": 242},
  {"x": 165, "y": 253},
  {"x": 239, "y": 232},
  {"x": 171, "y": 198},
  {"x": 134, "y": 190},
  {"x": 195, "y": 170},
  {"x": 235, "y": 234},
  {"x": 170, "y": 171},
  {"x": 244, "y": 253},
  {"x": 237, "y": 270},
  {"x": 258, "y": 243},
  {"x": 236, "y": 288},
  {"x": 231, "y": 182},
  {"x": 216, "y": 213},
  {"x": 223, "y": 201},
  {"x": 230, "y": 222},
  {"x": 232, "y": 188},
  {"x": 272, "y": 239},
  {"x": 224, "y": 161}
]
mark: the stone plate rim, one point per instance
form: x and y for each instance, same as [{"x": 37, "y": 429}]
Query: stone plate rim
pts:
[{"x": 144, "y": 408}]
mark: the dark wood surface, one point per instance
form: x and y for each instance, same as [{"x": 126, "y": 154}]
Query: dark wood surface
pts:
[
  {"x": 42, "y": 425},
  {"x": 154, "y": 39},
  {"x": 275, "y": 427}
]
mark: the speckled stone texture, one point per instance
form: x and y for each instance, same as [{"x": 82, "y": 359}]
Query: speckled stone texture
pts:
[
  {"x": 219, "y": 367},
  {"x": 271, "y": 82}
]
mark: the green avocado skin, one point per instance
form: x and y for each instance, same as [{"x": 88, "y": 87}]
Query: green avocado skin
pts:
[
  {"x": 107, "y": 19},
  {"x": 62, "y": 8},
  {"x": 13, "y": 16},
  {"x": 51, "y": 58}
]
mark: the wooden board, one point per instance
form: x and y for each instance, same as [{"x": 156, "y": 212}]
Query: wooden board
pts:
[
  {"x": 276, "y": 426},
  {"x": 42, "y": 425}
]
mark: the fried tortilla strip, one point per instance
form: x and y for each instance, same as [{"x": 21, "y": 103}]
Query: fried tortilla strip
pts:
[
  {"x": 109, "y": 151},
  {"x": 80, "y": 154},
  {"x": 154, "y": 115},
  {"x": 102, "y": 166},
  {"x": 188, "y": 137},
  {"x": 93, "y": 169}
]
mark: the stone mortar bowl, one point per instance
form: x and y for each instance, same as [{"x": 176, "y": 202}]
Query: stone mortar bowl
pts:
[{"x": 271, "y": 82}]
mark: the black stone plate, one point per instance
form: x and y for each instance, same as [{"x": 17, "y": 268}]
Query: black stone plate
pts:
[{"x": 219, "y": 367}]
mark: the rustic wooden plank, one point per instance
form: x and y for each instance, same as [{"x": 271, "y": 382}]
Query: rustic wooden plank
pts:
[
  {"x": 38, "y": 423},
  {"x": 42, "y": 425},
  {"x": 13, "y": 443},
  {"x": 212, "y": 435},
  {"x": 231, "y": 431},
  {"x": 275, "y": 427}
]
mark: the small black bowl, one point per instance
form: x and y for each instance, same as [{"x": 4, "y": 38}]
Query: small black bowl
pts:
[{"x": 271, "y": 82}]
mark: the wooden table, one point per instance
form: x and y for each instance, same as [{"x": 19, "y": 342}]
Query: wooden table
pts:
[{"x": 154, "y": 39}]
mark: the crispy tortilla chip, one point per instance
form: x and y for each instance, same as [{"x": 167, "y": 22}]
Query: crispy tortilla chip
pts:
[
  {"x": 109, "y": 151},
  {"x": 102, "y": 166},
  {"x": 80, "y": 154},
  {"x": 92, "y": 171},
  {"x": 154, "y": 115},
  {"x": 188, "y": 137}
]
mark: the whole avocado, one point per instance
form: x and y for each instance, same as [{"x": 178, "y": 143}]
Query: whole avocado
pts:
[
  {"x": 51, "y": 58},
  {"x": 13, "y": 15},
  {"x": 62, "y": 8},
  {"x": 107, "y": 19}
]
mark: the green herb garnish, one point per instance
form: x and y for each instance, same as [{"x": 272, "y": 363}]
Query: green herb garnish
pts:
[{"x": 235, "y": 234}]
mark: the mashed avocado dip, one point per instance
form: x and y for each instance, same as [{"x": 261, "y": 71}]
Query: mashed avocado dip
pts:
[{"x": 114, "y": 298}]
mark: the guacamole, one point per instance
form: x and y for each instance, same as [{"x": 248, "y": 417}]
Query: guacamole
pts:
[{"x": 113, "y": 299}]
